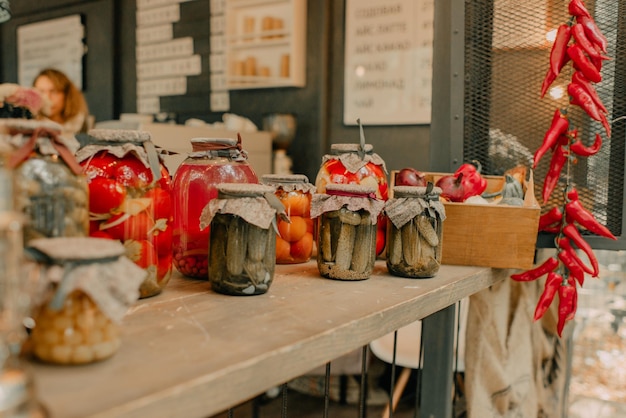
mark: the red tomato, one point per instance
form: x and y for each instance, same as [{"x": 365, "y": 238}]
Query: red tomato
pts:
[
  {"x": 380, "y": 240},
  {"x": 338, "y": 173},
  {"x": 134, "y": 227},
  {"x": 105, "y": 195},
  {"x": 164, "y": 268},
  {"x": 161, "y": 203},
  {"x": 166, "y": 180},
  {"x": 100, "y": 234},
  {"x": 100, "y": 165},
  {"x": 163, "y": 241},
  {"x": 132, "y": 173},
  {"x": 141, "y": 252}
]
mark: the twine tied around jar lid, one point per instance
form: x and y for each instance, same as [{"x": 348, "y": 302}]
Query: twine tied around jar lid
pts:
[
  {"x": 289, "y": 182},
  {"x": 219, "y": 147},
  {"x": 120, "y": 142},
  {"x": 255, "y": 203},
  {"x": 355, "y": 156},
  {"x": 411, "y": 201},
  {"x": 27, "y": 135},
  {"x": 354, "y": 197},
  {"x": 95, "y": 266}
]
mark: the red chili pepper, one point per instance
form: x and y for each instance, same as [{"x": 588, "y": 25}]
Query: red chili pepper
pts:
[
  {"x": 553, "y": 282},
  {"x": 579, "y": 35},
  {"x": 580, "y": 79},
  {"x": 575, "y": 210},
  {"x": 606, "y": 125},
  {"x": 581, "y": 98},
  {"x": 574, "y": 268},
  {"x": 564, "y": 244},
  {"x": 577, "y": 8},
  {"x": 547, "y": 82},
  {"x": 553, "y": 216},
  {"x": 583, "y": 63},
  {"x": 559, "y": 158},
  {"x": 572, "y": 283},
  {"x": 557, "y": 128},
  {"x": 572, "y": 233},
  {"x": 567, "y": 305},
  {"x": 577, "y": 147},
  {"x": 559, "y": 48},
  {"x": 529, "y": 275},
  {"x": 473, "y": 182},
  {"x": 594, "y": 34}
]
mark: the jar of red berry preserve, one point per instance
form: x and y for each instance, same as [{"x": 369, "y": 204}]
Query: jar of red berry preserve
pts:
[
  {"x": 211, "y": 162},
  {"x": 356, "y": 164},
  {"x": 294, "y": 242},
  {"x": 130, "y": 200}
]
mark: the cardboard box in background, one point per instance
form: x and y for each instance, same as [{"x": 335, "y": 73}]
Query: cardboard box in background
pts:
[{"x": 498, "y": 236}]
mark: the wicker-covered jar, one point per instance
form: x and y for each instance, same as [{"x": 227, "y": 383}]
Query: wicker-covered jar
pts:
[
  {"x": 211, "y": 162},
  {"x": 415, "y": 230},
  {"x": 346, "y": 243},
  {"x": 242, "y": 244},
  {"x": 49, "y": 188},
  {"x": 294, "y": 242},
  {"x": 89, "y": 286},
  {"x": 130, "y": 199}
]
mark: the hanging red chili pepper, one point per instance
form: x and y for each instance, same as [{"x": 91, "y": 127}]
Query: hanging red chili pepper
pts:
[
  {"x": 580, "y": 79},
  {"x": 575, "y": 211},
  {"x": 579, "y": 35},
  {"x": 577, "y": 8},
  {"x": 583, "y": 63},
  {"x": 564, "y": 244},
  {"x": 594, "y": 34},
  {"x": 581, "y": 98},
  {"x": 567, "y": 305},
  {"x": 550, "y": 218},
  {"x": 574, "y": 268},
  {"x": 473, "y": 182},
  {"x": 547, "y": 82},
  {"x": 579, "y": 148},
  {"x": 572, "y": 233},
  {"x": 553, "y": 282},
  {"x": 559, "y": 48},
  {"x": 529, "y": 275},
  {"x": 559, "y": 158},
  {"x": 559, "y": 126}
]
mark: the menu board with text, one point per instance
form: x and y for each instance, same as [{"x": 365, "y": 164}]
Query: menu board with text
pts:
[{"x": 388, "y": 62}]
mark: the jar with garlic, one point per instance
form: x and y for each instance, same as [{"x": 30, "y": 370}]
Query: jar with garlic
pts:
[
  {"x": 346, "y": 244},
  {"x": 89, "y": 285}
]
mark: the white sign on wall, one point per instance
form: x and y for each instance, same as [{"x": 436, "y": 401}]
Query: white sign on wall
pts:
[
  {"x": 388, "y": 62},
  {"x": 56, "y": 43}
]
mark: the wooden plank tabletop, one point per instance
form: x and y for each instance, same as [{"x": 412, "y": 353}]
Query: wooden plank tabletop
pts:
[{"x": 191, "y": 352}]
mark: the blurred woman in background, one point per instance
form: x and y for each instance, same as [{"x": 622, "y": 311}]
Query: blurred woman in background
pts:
[{"x": 68, "y": 105}]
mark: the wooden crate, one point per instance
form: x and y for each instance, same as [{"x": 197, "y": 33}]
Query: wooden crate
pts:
[{"x": 499, "y": 236}]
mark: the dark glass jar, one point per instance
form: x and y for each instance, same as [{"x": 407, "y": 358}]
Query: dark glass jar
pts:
[
  {"x": 294, "y": 242},
  {"x": 415, "y": 231},
  {"x": 346, "y": 242},
  {"x": 242, "y": 244},
  {"x": 211, "y": 162},
  {"x": 49, "y": 186},
  {"x": 130, "y": 200},
  {"x": 356, "y": 164}
]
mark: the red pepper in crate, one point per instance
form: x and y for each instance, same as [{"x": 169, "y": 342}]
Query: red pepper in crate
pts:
[
  {"x": 559, "y": 158},
  {"x": 559, "y": 49},
  {"x": 550, "y": 218},
  {"x": 557, "y": 128},
  {"x": 473, "y": 182},
  {"x": 583, "y": 63},
  {"x": 580, "y": 79},
  {"x": 577, "y": 8},
  {"x": 547, "y": 266},
  {"x": 553, "y": 283},
  {"x": 578, "y": 148},
  {"x": 572, "y": 265},
  {"x": 575, "y": 211},
  {"x": 593, "y": 32},
  {"x": 568, "y": 297}
]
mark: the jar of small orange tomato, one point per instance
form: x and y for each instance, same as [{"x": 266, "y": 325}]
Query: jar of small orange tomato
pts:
[{"x": 294, "y": 241}]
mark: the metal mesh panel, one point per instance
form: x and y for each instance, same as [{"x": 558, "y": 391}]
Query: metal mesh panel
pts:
[{"x": 506, "y": 59}]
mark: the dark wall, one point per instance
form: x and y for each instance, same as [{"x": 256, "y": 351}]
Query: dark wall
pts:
[{"x": 111, "y": 87}]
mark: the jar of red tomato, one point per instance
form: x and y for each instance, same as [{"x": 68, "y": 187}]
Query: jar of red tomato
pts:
[
  {"x": 130, "y": 200},
  {"x": 356, "y": 164},
  {"x": 211, "y": 162},
  {"x": 294, "y": 241}
]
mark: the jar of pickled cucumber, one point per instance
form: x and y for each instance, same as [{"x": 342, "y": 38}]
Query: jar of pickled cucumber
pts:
[
  {"x": 89, "y": 286},
  {"x": 50, "y": 188},
  {"x": 346, "y": 243},
  {"x": 294, "y": 242},
  {"x": 242, "y": 244},
  {"x": 356, "y": 164},
  {"x": 414, "y": 231},
  {"x": 212, "y": 161},
  {"x": 130, "y": 199}
]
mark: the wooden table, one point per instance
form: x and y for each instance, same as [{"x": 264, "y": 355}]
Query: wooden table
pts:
[{"x": 191, "y": 352}]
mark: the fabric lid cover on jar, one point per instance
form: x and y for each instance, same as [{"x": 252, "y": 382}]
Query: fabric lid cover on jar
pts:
[
  {"x": 410, "y": 201},
  {"x": 354, "y": 197},
  {"x": 219, "y": 147}
]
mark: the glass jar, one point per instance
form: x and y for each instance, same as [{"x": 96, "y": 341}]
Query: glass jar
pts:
[
  {"x": 356, "y": 164},
  {"x": 414, "y": 230},
  {"x": 346, "y": 242},
  {"x": 212, "y": 161},
  {"x": 294, "y": 242},
  {"x": 130, "y": 200},
  {"x": 90, "y": 285},
  {"x": 242, "y": 244},
  {"x": 49, "y": 187}
]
